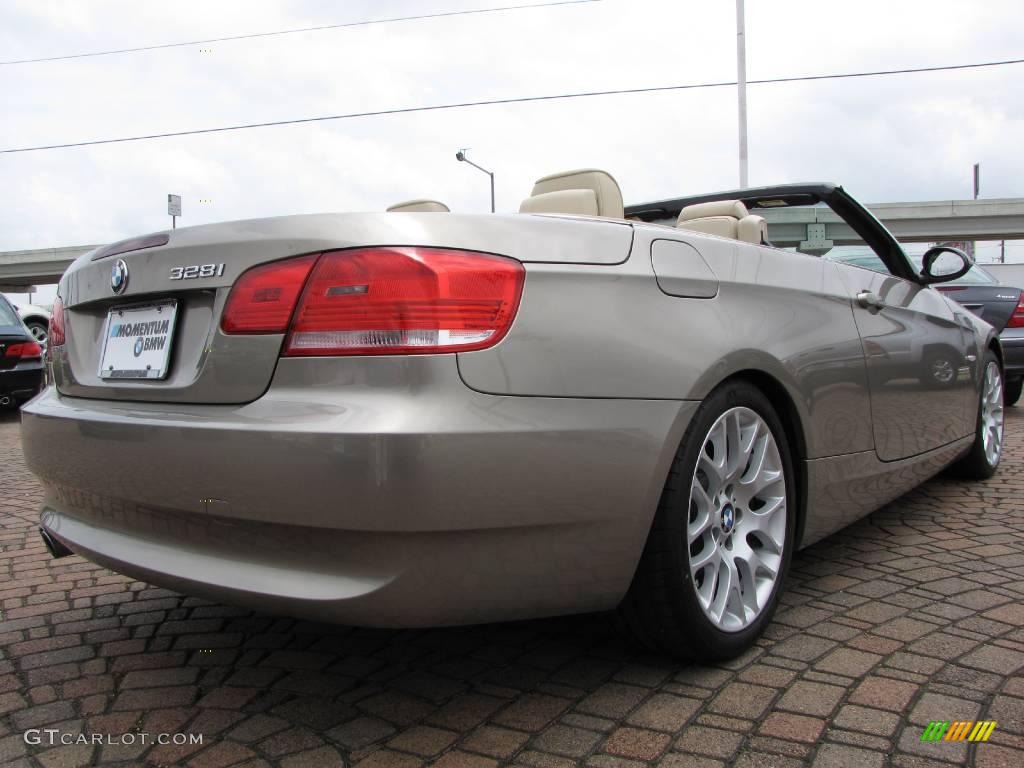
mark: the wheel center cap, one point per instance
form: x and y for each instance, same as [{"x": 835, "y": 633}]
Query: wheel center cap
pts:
[{"x": 728, "y": 518}]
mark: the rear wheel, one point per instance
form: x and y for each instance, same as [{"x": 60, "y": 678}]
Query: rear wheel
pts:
[
  {"x": 710, "y": 575},
  {"x": 983, "y": 459},
  {"x": 39, "y": 330},
  {"x": 1011, "y": 393}
]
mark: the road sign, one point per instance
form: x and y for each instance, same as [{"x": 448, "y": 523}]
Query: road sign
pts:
[{"x": 174, "y": 205}]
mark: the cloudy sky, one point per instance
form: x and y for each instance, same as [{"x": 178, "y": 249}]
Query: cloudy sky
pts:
[{"x": 910, "y": 137}]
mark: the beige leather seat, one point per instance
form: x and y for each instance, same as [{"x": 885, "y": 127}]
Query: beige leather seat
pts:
[
  {"x": 725, "y": 218},
  {"x": 414, "y": 206},
  {"x": 586, "y": 192}
]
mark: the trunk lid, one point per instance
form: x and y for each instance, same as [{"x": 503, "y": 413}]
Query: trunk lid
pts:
[
  {"x": 191, "y": 274},
  {"x": 992, "y": 303}
]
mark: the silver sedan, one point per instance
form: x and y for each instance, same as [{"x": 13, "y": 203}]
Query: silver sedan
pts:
[{"x": 423, "y": 418}]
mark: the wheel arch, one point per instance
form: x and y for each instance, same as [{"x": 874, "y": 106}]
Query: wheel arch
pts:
[
  {"x": 661, "y": 623},
  {"x": 789, "y": 414},
  {"x": 36, "y": 318},
  {"x": 997, "y": 350}
]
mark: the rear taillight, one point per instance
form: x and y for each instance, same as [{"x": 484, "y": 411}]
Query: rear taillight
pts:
[
  {"x": 384, "y": 301},
  {"x": 55, "y": 334},
  {"x": 263, "y": 299},
  {"x": 379, "y": 301},
  {"x": 1017, "y": 318},
  {"x": 28, "y": 350}
]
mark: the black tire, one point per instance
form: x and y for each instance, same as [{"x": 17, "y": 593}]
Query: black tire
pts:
[
  {"x": 1011, "y": 391},
  {"x": 661, "y": 609},
  {"x": 976, "y": 464}
]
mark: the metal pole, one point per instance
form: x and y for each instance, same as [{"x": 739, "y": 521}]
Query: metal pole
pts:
[
  {"x": 972, "y": 245},
  {"x": 741, "y": 83},
  {"x": 461, "y": 157},
  {"x": 174, "y": 222}
]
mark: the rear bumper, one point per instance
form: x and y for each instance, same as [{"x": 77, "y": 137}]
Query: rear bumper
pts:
[
  {"x": 379, "y": 492},
  {"x": 1012, "y": 340},
  {"x": 23, "y": 382}
]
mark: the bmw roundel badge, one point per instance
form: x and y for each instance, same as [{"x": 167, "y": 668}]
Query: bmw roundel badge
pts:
[
  {"x": 119, "y": 276},
  {"x": 728, "y": 518},
  {"x": 138, "y": 346}
]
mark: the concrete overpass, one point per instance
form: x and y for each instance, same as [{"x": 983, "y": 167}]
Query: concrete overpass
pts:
[
  {"x": 941, "y": 220},
  {"x": 999, "y": 219},
  {"x": 19, "y": 269}
]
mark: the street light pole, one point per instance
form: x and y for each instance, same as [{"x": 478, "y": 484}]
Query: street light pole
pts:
[
  {"x": 741, "y": 87},
  {"x": 977, "y": 189},
  {"x": 461, "y": 157}
]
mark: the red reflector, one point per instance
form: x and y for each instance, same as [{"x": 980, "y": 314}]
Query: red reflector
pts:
[
  {"x": 55, "y": 335},
  {"x": 384, "y": 301},
  {"x": 263, "y": 298},
  {"x": 27, "y": 351},
  {"x": 1017, "y": 318}
]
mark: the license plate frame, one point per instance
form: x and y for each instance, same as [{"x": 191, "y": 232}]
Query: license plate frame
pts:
[{"x": 149, "y": 337}]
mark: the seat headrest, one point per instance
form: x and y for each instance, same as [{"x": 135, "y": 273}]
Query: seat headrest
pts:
[
  {"x": 721, "y": 226},
  {"x": 752, "y": 229},
  {"x": 413, "y": 206},
  {"x": 733, "y": 208},
  {"x": 605, "y": 189},
  {"x": 582, "y": 202},
  {"x": 749, "y": 229}
]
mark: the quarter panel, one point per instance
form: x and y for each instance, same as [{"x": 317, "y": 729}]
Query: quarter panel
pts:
[{"x": 610, "y": 332}]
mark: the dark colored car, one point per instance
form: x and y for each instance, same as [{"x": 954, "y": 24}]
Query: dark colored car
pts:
[
  {"x": 1001, "y": 306},
  {"x": 21, "y": 359}
]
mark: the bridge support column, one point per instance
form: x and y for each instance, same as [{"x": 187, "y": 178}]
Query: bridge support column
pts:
[{"x": 817, "y": 242}]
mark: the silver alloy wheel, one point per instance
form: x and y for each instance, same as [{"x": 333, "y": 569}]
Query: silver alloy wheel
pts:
[
  {"x": 38, "y": 331},
  {"x": 992, "y": 413},
  {"x": 736, "y": 530}
]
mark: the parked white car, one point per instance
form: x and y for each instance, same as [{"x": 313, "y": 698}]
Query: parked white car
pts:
[{"x": 35, "y": 318}]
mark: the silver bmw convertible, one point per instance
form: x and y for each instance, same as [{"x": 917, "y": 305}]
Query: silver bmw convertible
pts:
[{"x": 418, "y": 417}]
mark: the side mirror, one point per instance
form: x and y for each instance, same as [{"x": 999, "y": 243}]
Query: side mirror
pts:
[{"x": 944, "y": 263}]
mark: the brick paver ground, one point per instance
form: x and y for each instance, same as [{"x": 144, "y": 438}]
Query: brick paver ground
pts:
[{"x": 914, "y": 614}]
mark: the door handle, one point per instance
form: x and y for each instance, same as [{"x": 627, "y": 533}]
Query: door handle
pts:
[{"x": 870, "y": 300}]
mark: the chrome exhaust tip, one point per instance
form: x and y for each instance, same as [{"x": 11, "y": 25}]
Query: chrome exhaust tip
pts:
[{"x": 56, "y": 549}]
